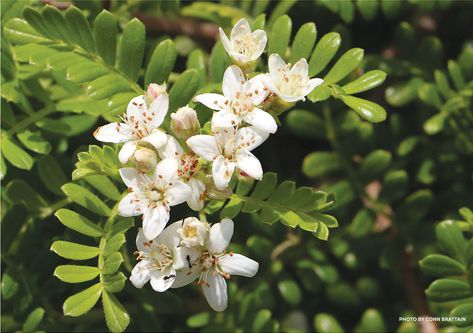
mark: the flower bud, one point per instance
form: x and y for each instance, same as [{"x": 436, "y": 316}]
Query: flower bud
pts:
[
  {"x": 154, "y": 90},
  {"x": 184, "y": 122},
  {"x": 193, "y": 232},
  {"x": 145, "y": 159}
]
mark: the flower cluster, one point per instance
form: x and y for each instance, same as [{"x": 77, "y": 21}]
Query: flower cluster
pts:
[{"x": 190, "y": 164}]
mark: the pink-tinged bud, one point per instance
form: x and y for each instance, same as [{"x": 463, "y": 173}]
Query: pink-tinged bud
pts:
[
  {"x": 145, "y": 159},
  {"x": 154, "y": 90},
  {"x": 184, "y": 122}
]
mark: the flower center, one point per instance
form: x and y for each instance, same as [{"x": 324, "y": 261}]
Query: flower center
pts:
[
  {"x": 209, "y": 263},
  {"x": 189, "y": 231},
  {"x": 241, "y": 105},
  {"x": 187, "y": 166},
  {"x": 155, "y": 194},
  {"x": 291, "y": 84},
  {"x": 245, "y": 45},
  {"x": 160, "y": 257}
]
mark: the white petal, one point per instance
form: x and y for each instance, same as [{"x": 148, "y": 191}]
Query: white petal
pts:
[
  {"x": 130, "y": 177},
  {"x": 140, "y": 274},
  {"x": 184, "y": 277},
  {"x": 300, "y": 68},
  {"x": 242, "y": 27},
  {"x": 213, "y": 101},
  {"x": 222, "y": 171},
  {"x": 248, "y": 163},
  {"x": 215, "y": 291},
  {"x": 220, "y": 235},
  {"x": 233, "y": 80},
  {"x": 261, "y": 37},
  {"x": 276, "y": 65},
  {"x": 154, "y": 221},
  {"x": 225, "y": 41},
  {"x": 261, "y": 120},
  {"x": 157, "y": 139},
  {"x": 142, "y": 243},
  {"x": 236, "y": 264},
  {"x": 195, "y": 200},
  {"x": 158, "y": 110},
  {"x": 127, "y": 151},
  {"x": 130, "y": 205},
  {"x": 136, "y": 107},
  {"x": 177, "y": 193},
  {"x": 172, "y": 148},
  {"x": 269, "y": 82},
  {"x": 240, "y": 58},
  {"x": 162, "y": 281},
  {"x": 114, "y": 133},
  {"x": 223, "y": 119},
  {"x": 185, "y": 257},
  {"x": 255, "y": 87},
  {"x": 250, "y": 137},
  {"x": 204, "y": 145},
  {"x": 313, "y": 83},
  {"x": 169, "y": 235},
  {"x": 165, "y": 171},
  {"x": 291, "y": 98}
]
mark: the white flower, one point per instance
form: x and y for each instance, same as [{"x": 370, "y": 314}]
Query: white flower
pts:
[
  {"x": 229, "y": 148},
  {"x": 187, "y": 169},
  {"x": 140, "y": 124},
  {"x": 160, "y": 258},
  {"x": 193, "y": 232},
  {"x": 290, "y": 84},
  {"x": 244, "y": 46},
  {"x": 239, "y": 102},
  {"x": 215, "y": 266},
  {"x": 152, "y": 196},
  {"x": 184, "y": 122}
]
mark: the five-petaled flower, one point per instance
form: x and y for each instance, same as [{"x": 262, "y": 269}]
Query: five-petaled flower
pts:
[
  {"x": 151, "y": 196},
  {"x": 239, "y": 102},
  {"x": 186, "y": 171},
  {"x": 215, "y": 266},
  {"x": 290, "y": 84},
  {"x": 159, "y": 258},
  {"x": 140, "y": 125},
  {"x": 227, "y": 149},
  {"x": 244, "y": 46}
]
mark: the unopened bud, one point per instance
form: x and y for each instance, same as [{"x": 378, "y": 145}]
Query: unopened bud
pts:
[
  {"x": 154, "y": 90},
  {"x": 184, "y": 122},
  {"x": 145, "y": 159}
]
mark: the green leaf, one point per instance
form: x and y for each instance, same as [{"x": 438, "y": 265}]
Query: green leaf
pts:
[
  {"x": 85, "y": 71},
  {"x": 365, "y": 109},
  {"x": 11, "y": 223},
  {"x": 51, "y": 174},
  {"x": 404, "y": 92},
  {"x": 18, "y": 31},
  {"x": 322, "y": 232},
  {"x": 112, "y": 263},
  {"x": 372, "y": 321},
  {"x": 280, "y": 35},
  {"x": 113, "y": 244},
  {"x": 34, "y": 142},
  {"x": 105, "y": 31},
  {"x": 365, "y": 82},
  {"x": 74, "y": 251},
  {"x": 198, "y": 320},
  {"x": 107, "y": 86},
  {"x": 362, "y": 223},
  {"x": 15, "y": 155},
  {"x": 196, "y": 60},
  {"x": 9, "y": 284},
  {"x": 261, "y": 321},
  {"x": 451, "y": 239},
  {"x": 444, "y": 290},
  {"x": 132, "y": 48},
  {"x": 76, "y": 273},
  {"x": 33, "y": 17},
  {"x": 232, "y": 208},
  {"x": 320, "y": 164},
  {"x": 326, "y": 323},
  {"x": 395, "y": 185},
  {"x": 55, "y": 23},
  {"x": 429, "y": 95},
  {"x": 86, "y": 199},
  {"x": 161, "y": 63},
  {"x": 290, "y": 292},
  {"x": 104, "y": 185},
  {"x": 303, "y": 42},
  {"x": 375, "y": 164},
  {"x": 116, "y": 316},
  {"x": 306, "y": 124},
  {"x": 463, "y": 311},
  {"x": 320, "y": 93},
  {"x": 114, "y": 283},
  {"x": 345, "y": 65},
  {"x": 33, "y": 320},
  {"x": 78, "y": 223},
  {"x": 19, "y": 191},
  {"x": 441, "y": 266},
  {"x": 80, "y": 303},
  {"x": 79, "y": 29},
  {"x": 324, "y": 52},
  {"x": 218, "y": 62},
  {"x": 183, "y": 89}
]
